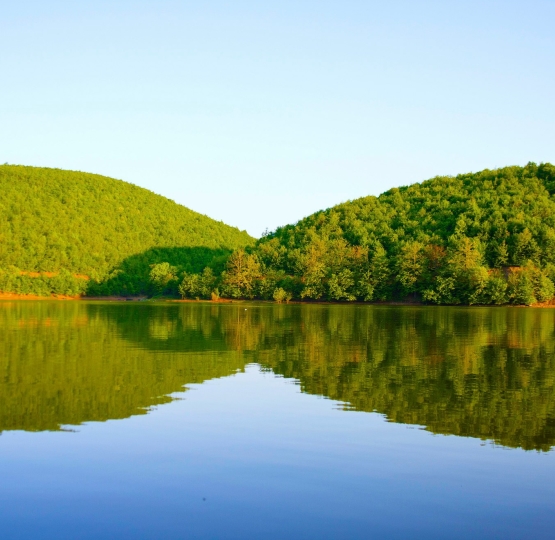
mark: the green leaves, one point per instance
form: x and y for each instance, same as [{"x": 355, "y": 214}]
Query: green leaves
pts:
[
  {"x": 410, "y": 265},
  {"x": 242, "y": 273},
  {"x": 447, "y": 241},
  {"x": 53, "y": 220},
  {"x": 163, "y": 277},
  {"x": 341, "y": 285},
  {"x": 486, "y": 237},
  {"x": 198, "y": 285},
  {"x": 281, "y": 295}
]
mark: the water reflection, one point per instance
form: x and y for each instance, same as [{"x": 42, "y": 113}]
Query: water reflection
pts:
[
  {"x": 64, "y": 364},
  {"x": 485, "y": 373}
]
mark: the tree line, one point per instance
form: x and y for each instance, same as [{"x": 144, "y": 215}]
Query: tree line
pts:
[
  {"x": 56, "y": 225},
  {"x": 479, "y": 238}
]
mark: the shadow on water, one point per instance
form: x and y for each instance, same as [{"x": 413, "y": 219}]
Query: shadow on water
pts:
[{"x": 487, "y": 373}]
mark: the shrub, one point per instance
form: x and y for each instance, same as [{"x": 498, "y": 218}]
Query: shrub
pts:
[{"x": 281, "y": 295}]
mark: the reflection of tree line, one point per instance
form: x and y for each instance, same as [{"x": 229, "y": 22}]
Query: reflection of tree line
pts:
[
  {"x": 476, "y": 372},
  {"x": 462, "y": 373},
  {"x": 66, "y": 364},
  {"x": 473, "y": 372}
]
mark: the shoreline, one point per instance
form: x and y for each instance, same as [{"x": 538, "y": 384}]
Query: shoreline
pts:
[
  {"x": 17, "y": 296},
  {"x": 143, "y": 298}
]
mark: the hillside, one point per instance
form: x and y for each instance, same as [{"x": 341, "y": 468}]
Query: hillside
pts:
[
  {"x": 486, "y": 237},
  {"x": 56, "y": 225}
]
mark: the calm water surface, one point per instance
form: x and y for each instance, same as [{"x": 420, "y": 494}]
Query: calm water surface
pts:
[{"x": 176, "y": 421}]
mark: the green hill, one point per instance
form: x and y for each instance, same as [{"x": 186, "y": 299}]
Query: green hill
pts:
[
  {"x": 486, "y": 237},
  {"x": 56, "y": 225}
]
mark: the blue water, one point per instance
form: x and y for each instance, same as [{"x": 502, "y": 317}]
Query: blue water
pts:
[{"x": 251, "y": 455}]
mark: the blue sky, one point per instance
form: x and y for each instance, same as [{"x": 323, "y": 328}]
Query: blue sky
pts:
[{"x": 260, "y": 113}]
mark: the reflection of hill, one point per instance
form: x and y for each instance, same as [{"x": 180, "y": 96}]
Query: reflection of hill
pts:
[
  {"x": 165, "y": 327},
  {"x": 472, "y": 372},
  {"x": 65, "y": 364},
  {"x": 487, "y": 373}
]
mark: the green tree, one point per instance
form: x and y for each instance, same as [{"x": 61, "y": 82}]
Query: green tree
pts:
[
  {"x": 162, "y": 278},
  {"x": 341, "y": 285},
  {"x": 281, "y": 295},
  {"x": 198, "y": 285},
  {"x": 410, "y": 266},
  {"x": 242, "y": 272},
  {"x": 496, "y": 289}
]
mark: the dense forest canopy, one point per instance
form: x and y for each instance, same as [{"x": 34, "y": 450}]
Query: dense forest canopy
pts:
[
  {"x": 477, "y": 238},
  {"x": 60, "y": 224},
  {"x": 486, "y": 237}
]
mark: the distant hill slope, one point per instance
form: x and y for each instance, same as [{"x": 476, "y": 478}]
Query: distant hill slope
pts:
[
  {"x": 69, "y": 223},
  {"x": 486, "y": 237}
]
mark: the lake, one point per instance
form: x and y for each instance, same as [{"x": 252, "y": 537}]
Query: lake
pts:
[{"x": 198, "y": 420}]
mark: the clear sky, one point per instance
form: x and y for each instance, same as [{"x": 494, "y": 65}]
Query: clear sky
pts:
[{"x": 259, "y": 113}]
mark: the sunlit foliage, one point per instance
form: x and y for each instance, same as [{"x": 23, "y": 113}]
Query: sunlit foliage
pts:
[
  {"x": 78, "y": 225},
  {"x": 479, "y": 238}
]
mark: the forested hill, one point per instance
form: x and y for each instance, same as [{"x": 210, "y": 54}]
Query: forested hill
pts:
[
  {"x": 486, "y": 237},
  {"x": 67, "y": 223},
  {"x": 478, "y": 238}
]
